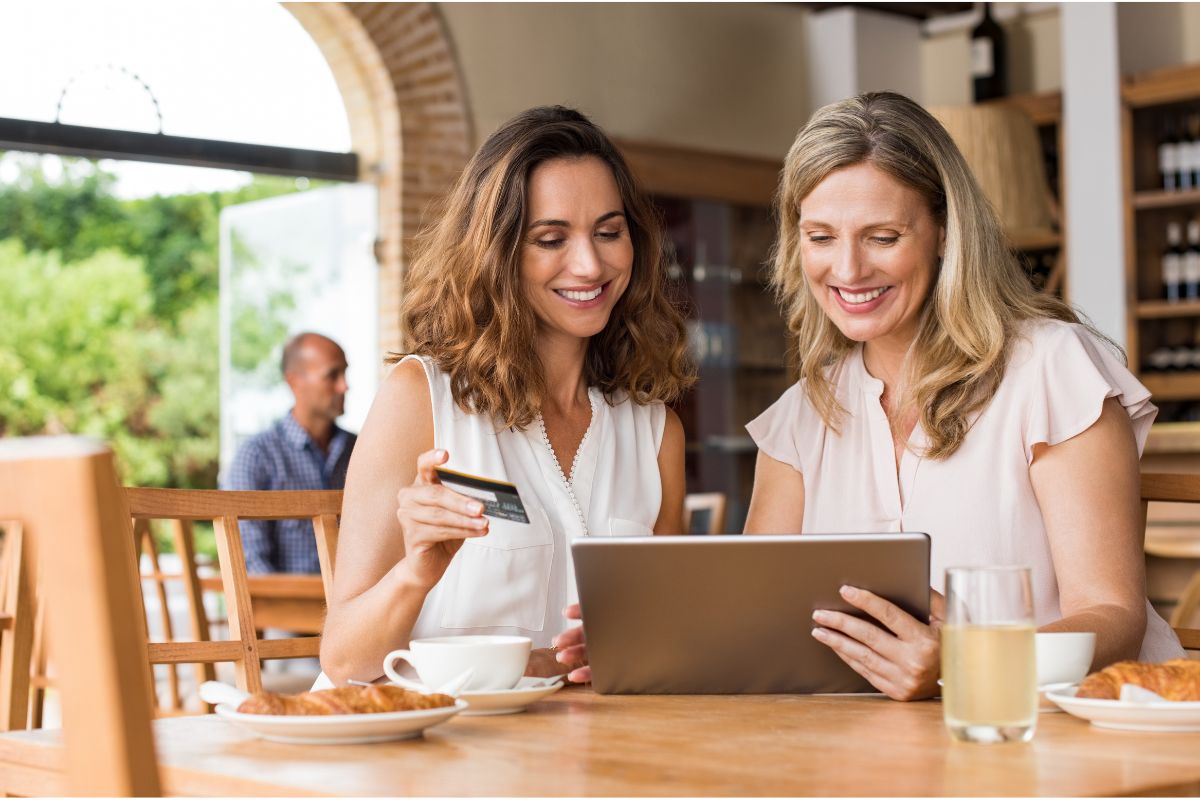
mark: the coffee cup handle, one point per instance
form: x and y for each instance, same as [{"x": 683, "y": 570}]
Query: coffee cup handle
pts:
[{"x": 390, "y": 659}]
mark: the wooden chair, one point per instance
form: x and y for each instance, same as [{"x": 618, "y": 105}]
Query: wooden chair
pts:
[
  {"x": 16, "y": 627},
  {"x": 64, "y": 495},
  {"x": 707, "y": 510},
  {"x": 1177, "y": 488},
  {"x": 224, "y": 509}
]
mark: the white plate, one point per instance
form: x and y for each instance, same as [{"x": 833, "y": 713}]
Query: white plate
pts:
[
  {"x": 341, "y": 728},
  {"x": 1129, "y": 716},
  {"x": 507, "y": 701}
]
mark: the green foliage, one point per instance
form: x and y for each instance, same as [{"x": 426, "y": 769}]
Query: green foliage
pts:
[{"x": 108, "y": 318}]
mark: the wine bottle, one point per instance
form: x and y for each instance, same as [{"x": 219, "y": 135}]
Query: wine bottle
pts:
[
  {"x": 1187, "y": 153},
  {"x": 1160, "y": 360},
  {"x": 1191, "y": 261},
  {"x": 1172, "y": 262},
  {"x": 1168, "y": 157},
  {"x": 1194, "y": 142},
  {"x": 988, "y": 59}
]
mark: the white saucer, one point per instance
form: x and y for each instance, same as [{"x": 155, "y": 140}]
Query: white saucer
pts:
[{"x": 507, "y": 701}]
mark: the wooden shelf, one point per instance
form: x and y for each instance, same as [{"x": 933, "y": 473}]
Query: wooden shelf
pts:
[
  {"x": 1161, "y": 309},
  {"x": 684, "y": 172},
  {"x": 1172, "y": 386},
  {"x": 1034, "y": 239},
  {"x": 1161, "y": 86},
  {"x": 1043, "y": 109},
  {"x": 1164, "y": 199},
  {"x": 1174, "y": 437}
]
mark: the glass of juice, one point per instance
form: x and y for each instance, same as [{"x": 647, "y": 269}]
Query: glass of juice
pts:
[{"x": 989, "y": 668}]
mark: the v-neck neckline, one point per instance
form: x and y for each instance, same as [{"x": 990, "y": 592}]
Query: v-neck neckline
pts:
[{"x": 899, "y": 476}]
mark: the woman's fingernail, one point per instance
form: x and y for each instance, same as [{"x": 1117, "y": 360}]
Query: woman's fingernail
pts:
[
  {"x": 474, "y": 508},
  {"x": 819, "y": 633},
  {"x": 479, "y": 523},
  {"x": 820, "y": 616},
  {"x": 849, "y": 592}
]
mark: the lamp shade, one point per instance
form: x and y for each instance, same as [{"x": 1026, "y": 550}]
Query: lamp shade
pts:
[{"x": 1002, "y": 148}]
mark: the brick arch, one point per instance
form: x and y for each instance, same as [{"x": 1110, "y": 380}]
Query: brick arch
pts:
[{"x": 395, "y": 67}]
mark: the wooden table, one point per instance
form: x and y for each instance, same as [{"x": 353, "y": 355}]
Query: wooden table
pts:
[
  {"x": 287, "y": 601},
  {"x": 581, "y": 743}
]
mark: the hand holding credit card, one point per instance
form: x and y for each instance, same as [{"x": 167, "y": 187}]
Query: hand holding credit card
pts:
[{"x": 500, "y": 499}]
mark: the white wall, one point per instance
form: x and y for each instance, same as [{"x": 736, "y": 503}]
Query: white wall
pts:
[
  {"x": 1152, "y": 35},
  {"x": 721, "y": 77}
]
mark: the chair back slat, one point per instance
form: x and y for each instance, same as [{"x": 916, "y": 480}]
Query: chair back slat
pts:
[
  {"x": 237, "y": 602},
  {"x": 16, "y": 634},
  {"x": 712, "y": 504},
  {"x": 143, "y": 539},
  {"x": 206, "y": 504},
  {"x": 325, "y": 527},
  {"x": 1177, "y": 488},
  {"x": 185, "y": 547}
]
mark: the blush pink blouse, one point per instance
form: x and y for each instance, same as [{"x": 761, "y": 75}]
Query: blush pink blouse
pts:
[{"x": 978, "y": 505}]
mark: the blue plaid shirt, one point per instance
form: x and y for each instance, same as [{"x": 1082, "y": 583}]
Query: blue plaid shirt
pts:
[{"x": 285, "y": 457}]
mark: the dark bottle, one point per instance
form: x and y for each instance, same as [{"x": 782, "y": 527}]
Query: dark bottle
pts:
[
  {"x": 1187, "y": 152},
  {"x": 988, "y": 62},
  {"x": 1191, "y": 262},
  {"x": 1172, "y": 263},
  {"x": 1168, "y": 157}
]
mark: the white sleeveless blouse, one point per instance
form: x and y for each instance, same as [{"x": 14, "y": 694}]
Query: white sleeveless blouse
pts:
[{"x": 519, "y": 578}]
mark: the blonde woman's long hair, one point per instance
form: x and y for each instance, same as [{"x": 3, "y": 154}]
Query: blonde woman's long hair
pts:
[
  {"x": 464, "y": 304},
  {"x": 980, "y": 293}
]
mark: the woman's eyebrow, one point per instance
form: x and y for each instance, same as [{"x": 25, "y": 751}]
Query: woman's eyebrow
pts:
[
  {"x": 562, "y": 223},
  {"x": 552, "y": 223},
  {"x": 883, "y": 223}
]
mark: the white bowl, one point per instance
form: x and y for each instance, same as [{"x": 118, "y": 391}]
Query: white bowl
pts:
[{"x": 1064, "y": 657}]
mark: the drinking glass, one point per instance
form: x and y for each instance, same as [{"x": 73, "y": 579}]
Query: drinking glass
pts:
[{"x": 989, "y": 665}]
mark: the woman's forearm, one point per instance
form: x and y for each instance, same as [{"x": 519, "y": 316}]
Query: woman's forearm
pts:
[
  {"x": 1119, "y": 631},
  {"x": 361, "y": 630}
]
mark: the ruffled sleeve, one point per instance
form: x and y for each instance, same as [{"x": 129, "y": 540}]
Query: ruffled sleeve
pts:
[
  {"x": 775, "y": 430},
  {"x": 1071, "y": 374}
]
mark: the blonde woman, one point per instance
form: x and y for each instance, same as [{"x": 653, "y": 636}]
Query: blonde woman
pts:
[
  {"x": 940, "y": 393},
  {"x": 543, "y": 348}
]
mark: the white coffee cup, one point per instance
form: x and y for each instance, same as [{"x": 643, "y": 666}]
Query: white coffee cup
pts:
[
  {"x": 496, "y": 662},
  {"x": 1064, "y": 656}
]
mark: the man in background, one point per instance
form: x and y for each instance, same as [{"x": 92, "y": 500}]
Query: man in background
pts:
[{"x": 305, "y": 449}]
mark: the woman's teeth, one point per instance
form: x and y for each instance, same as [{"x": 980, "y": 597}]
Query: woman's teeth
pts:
[
  {"x": 580, "y": 297},
  {"x": 862, "y": 297}
]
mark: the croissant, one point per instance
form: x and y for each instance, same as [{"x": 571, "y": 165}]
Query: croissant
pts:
[
  {"x": 343, "y": 700},
  {"x": 1172, "y": 680}
]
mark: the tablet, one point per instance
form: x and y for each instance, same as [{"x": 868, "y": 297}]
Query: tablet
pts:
[{"x": 733, "y": 614}]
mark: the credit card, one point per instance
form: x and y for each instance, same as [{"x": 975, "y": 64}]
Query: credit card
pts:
[{"x": 500, "y": 499}]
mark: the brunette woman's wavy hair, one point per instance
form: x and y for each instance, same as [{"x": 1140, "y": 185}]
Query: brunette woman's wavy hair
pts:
[
  {"x": 464, "y": 305},
  {"x": 980, "y": 294}
]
